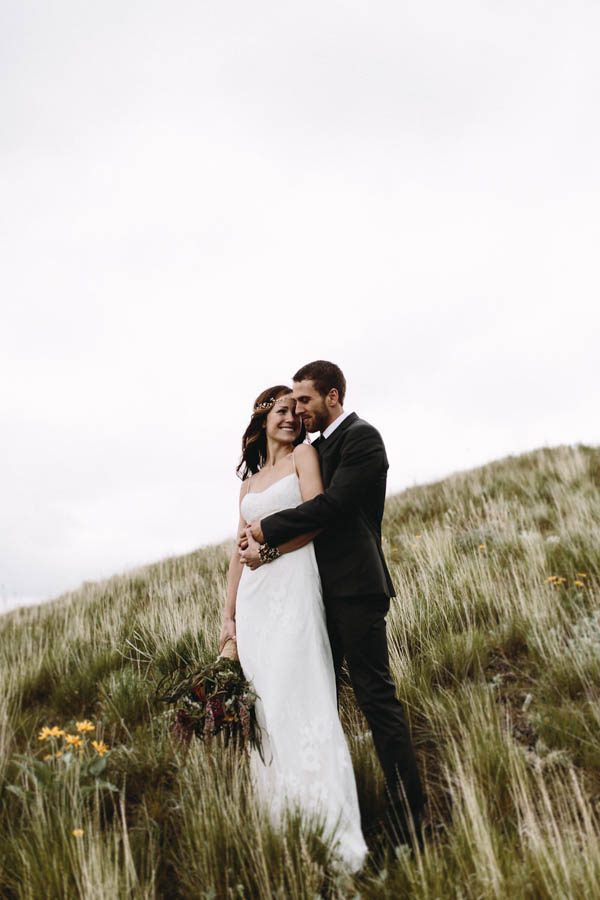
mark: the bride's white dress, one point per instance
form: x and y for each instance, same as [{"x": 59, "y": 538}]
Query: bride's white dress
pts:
[{"x": 284, "y": 651}]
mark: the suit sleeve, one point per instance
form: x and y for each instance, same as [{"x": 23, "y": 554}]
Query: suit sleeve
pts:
[{"x": 362, "y": 461}]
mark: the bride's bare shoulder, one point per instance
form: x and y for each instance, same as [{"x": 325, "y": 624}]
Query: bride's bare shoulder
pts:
[{"x": 305, "y": 454}]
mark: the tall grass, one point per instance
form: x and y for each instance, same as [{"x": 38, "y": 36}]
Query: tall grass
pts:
[{"x": 498, "y": 668}]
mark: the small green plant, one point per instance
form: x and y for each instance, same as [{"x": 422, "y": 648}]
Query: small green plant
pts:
[{"x": 65, "y": 755}]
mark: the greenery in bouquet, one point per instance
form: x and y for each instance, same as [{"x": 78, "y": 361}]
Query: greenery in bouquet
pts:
[{"x": 215, "y": 699}]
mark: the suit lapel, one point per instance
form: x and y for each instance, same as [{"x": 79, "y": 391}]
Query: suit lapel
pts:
[
  {"x": 325, "y": 444},
  {"x": 318, "y": 444}
]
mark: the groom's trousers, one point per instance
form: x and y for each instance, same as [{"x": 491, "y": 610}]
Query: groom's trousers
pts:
[{"x": 357, "y": 632}]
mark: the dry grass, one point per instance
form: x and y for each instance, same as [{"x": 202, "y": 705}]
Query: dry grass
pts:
[{"x": 499, "y": 670}]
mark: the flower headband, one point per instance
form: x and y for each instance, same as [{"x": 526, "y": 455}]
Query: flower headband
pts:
[{"x": 266, "y": 404}]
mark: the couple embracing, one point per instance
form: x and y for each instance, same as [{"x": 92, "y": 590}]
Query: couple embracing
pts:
[{"x": 308, "y": 587}]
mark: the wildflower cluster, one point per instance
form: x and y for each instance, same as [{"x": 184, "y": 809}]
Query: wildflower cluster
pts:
[
  {"x": 69, "y": 755},
  {"x": 62, "y": 742},
  {"x": 559, "y": 580}
]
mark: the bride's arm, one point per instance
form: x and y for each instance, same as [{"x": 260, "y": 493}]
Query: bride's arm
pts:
[
  {"x": 309, "y": 471},
  {"x": 233, "y": 579},
  {"x": 311, "y": 484},
  {"x": 308, "y": 468}
]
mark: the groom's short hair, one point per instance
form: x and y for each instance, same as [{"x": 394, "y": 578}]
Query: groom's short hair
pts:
[{"x": 324, "y": 375}]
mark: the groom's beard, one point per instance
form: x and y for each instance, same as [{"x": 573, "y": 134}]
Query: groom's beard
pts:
[{"x": 318, "y": 421}]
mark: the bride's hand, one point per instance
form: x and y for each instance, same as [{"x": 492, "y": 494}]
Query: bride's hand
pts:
[
  {"x": 227, "y": 632},
  {"x": 250, "y": 556}
]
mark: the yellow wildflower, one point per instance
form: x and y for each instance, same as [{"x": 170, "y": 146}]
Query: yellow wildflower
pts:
[
  {"x": 551, "y": 579},
  {"x": 100, "y": 747},
  {"x": 579, "y": 583},
  {"x": 581, "y": 574},
  {"x": 482, "y": 547},
  {"x": 77, "y": 832},
  {"x": 47, "y": 733},
  {"x": 86, "y": 725},
  {"x": 73, "y": 740}
]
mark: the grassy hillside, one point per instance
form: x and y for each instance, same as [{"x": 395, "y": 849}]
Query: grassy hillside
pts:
[{"x": 495, "y": 642}]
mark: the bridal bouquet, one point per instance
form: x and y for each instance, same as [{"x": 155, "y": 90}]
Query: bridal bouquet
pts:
[{"x": 216, "y": 699}]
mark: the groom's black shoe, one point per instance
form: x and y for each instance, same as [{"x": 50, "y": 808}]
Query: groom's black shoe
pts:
[
  {"x": 403, "y": 829},
  {"x": 393, "y": 831}
]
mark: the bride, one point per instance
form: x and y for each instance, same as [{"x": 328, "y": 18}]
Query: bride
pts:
[{"x": 276, "y": 614}]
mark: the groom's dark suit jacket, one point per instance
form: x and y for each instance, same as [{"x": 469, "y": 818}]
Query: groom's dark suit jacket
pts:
[{"x": 354, "y": 467}]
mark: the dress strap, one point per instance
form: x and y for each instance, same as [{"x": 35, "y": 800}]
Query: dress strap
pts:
[{"x": 294, "y": 463}]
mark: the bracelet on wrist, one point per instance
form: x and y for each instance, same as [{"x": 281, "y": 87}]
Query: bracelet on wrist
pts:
[{"x": 268, "y": 554}]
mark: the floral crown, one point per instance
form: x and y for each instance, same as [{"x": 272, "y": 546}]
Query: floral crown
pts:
[{"x": 266, "y": 404}]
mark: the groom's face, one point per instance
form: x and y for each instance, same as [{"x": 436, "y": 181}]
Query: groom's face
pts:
[{"x": 311, "y": 406}]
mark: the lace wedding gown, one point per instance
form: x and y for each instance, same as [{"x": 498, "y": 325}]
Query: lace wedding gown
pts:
[{"x": 284, "y": 651}]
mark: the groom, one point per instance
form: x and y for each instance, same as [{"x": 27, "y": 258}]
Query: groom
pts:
[{"x": 356, "y": 583}]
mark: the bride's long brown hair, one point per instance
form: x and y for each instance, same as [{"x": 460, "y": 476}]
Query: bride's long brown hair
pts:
[{"x": 254, "y": 441}]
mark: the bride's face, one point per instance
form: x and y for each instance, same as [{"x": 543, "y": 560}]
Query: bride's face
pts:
[{"x": 282, "y": 423}]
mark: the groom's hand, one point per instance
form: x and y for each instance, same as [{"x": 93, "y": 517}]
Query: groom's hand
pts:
[
  {"x": 256, "y": 531},
  {"x": 250, "y": 556}
]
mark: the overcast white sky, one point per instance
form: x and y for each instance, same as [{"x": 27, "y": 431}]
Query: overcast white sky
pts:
[{"x": 197, "y": 198}]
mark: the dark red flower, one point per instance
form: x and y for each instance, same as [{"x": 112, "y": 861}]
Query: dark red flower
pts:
[
  {"x": 184, "y": 725},
  {"x": 199, "y": 691},
  {"x": 216, "y": 707}
]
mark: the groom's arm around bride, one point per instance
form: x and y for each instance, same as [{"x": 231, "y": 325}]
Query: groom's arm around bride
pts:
[{"x": 349, "y": 512}]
